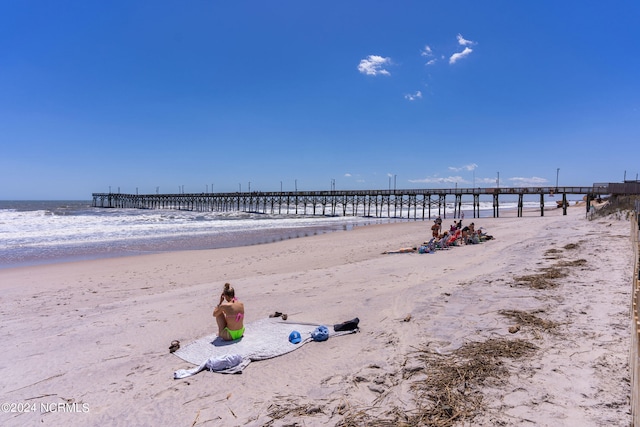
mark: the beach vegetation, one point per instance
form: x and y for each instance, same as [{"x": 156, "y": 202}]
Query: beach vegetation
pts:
[{"x": 616, "y": 207}]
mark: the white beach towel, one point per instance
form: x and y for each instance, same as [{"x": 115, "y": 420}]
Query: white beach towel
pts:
[
  {"x": 230, "y": 363},
  {"x": 263, "y": 339}
]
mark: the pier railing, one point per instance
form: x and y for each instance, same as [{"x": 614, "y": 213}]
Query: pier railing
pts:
[
  {"x": 634, "y": 356},
  {"x": 411, "y": 203}
]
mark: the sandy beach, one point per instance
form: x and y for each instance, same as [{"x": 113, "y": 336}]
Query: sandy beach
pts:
[{"x": 87, "y": 343}]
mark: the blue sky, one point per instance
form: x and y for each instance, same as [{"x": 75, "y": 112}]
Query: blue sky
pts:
[{"x": 194, "y": 95}]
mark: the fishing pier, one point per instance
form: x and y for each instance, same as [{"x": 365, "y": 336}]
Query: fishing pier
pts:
[{"x": 410, "y": 204}]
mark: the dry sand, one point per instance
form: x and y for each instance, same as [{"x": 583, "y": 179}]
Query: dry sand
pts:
[{"x": 95, "y": 334}]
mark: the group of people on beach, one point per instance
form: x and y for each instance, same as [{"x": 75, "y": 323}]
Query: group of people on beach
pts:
[
  {"x": 457, "y": 235},
  {"x": 229, "y": 313}
]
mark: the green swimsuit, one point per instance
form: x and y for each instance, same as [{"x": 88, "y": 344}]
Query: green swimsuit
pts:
[
  {"x": 235, "y": 334},
  {"x": 238, "y": 333}
]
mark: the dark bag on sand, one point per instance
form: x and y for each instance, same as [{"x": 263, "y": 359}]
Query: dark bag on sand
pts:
[{"x": 349, "y": 325}]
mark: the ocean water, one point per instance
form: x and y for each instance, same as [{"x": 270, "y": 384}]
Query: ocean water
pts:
[{"x": 41, "y": 232}]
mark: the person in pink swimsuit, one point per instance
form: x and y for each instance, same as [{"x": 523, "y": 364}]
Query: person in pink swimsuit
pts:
[{"x": 229, "y": 314}]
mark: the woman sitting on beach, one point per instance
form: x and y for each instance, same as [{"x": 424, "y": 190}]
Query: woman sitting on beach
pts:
[{"x": 229, "y": 314}]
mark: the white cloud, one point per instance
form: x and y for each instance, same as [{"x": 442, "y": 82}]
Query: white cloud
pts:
[
  {"x": 348, "y": 175},
  {"x": 459, "y": 55},
  {"x": 460, "y": 181},
  {"x": 413, "y": 97},
  {"x": 440, "y": 180},
  {"x": 465, "y": 52},
  {"x": 489, "y": 181},
  {"x": 533, "y": 181},
  {"x": 469, "y": 167},
  {"x": 372, "y": 65},
  {"x": 428, "y": 53},
  {"x": 463, "y": 42}
]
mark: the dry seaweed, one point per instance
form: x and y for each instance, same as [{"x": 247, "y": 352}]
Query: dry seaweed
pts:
[
  {"x": 575, "y": 263},
  {"x": 553, "y": 254},
  {"x": 395, "y": 417},
  {"x": 452, "y": 392},
  {"x": 553, "y": 273},
  {"x": 280, "y": 410},
  {"x": 536, "y": 281},
  {"x": 529, "y": 319},
  {"x": 543, "y": 280}
]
